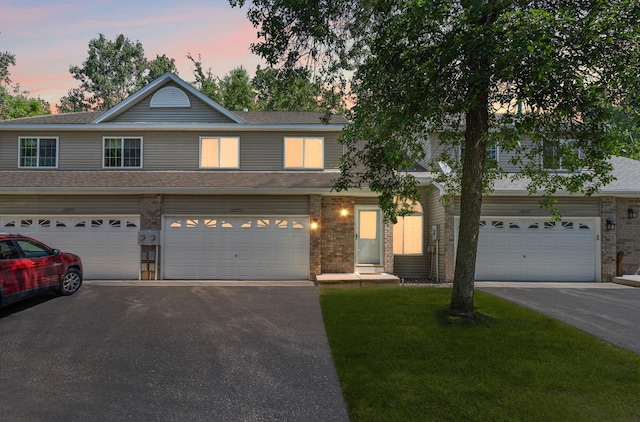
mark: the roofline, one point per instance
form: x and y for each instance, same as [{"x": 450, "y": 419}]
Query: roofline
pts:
[
  {"x": 160, "y": 127},
  {"x": 121, "y": 106},
  {"x": 196, "y": 190}
]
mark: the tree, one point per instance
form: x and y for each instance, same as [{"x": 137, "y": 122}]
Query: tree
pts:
[
  {"x": 159, "y": 66},
  {"x": 463, "y": 70},
  {"x": 205, "y": 81},
  {"x": 293, "y": 90},
  {"x": 113, "y": 71},
  {"x": 15, "y": 102},
  {"x": 236, "y": 91},
  {"x": 19, "y": 104}
]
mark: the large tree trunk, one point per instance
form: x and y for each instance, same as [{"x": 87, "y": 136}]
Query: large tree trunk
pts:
[
  {"x": 475, "y": 143},
  {"x": 470, "y": 211}
]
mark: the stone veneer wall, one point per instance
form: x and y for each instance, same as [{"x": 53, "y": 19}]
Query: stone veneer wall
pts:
[
  {"x": 337, "y": 235},
  {"x": 628, "y": 234},
  {"x": 388, "y": 248}
]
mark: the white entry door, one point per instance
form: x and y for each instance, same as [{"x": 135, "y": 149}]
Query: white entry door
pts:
[
  {"x": 368, "y": 237},
  {"x": 236, "y": 248},
  {"x": 107, "y": 245},
  {"x": 527, "y": 249}
]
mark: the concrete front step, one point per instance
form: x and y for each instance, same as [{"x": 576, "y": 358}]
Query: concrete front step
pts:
[{"x": 342, "y": 280}]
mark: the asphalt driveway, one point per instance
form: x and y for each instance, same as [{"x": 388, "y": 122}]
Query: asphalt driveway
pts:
[
  {"x": 171, "y": 353},
  {"x": 606, "y": 310}
]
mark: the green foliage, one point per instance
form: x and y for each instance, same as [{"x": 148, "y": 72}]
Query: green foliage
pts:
[
  {"x": 525, "y": 75},
  {"x": 20, "y": 104},
  {"x": 15, "y": 102},
  {"x": 205, "y": 81},
  {"x": 293, "y": 90},
  {"x": 159, "y": 66},
  {"x": 398, "y": 361},
  {"x": 236, "y": 90},
  {"x": 6, "y": 59},
  {"x": 112, "y": 71}
]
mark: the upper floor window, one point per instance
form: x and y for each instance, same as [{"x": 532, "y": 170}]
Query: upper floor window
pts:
[
  {"x": 493, "y": 152},
  {"x": 408, "y": 232},
  {"x": 556, "y": 152},
  {"x": 303, "y": 153},
  {"x": 122, "y": 152},
  {"x": 38, "y": 152},
  {"x": 221, "y": 153}
]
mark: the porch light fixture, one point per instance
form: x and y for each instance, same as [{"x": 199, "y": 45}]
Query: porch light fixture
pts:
[
  {"x": 611, "y": 225},
  {"x": 314, "y": 224},
  {"x": 344, "y": 212},
  {"x": 632, "y": 213}
]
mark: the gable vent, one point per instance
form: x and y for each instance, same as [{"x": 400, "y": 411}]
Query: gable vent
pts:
[{"x": 170, "y": 96}]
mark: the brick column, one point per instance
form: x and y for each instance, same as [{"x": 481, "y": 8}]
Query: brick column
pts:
[
  {"x": 315, "y": 236},
  {"x": 150, "y": 219},
  {"x": 338, "y": 234},
  {"x": 609, "y": 238}
]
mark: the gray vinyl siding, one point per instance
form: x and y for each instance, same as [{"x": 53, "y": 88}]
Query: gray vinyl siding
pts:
[
  {"x": 524, "y": 206},
  {"x": 438, "y": 255},
  {"x": 69, "y": 205},
  {"x": 198, "y": 112},
  {"x": 417, "y": 266},
  {"x": 259, "y": 151},
  {"x": 437, "y": 149},
  {"x": 185, "y": 205}
]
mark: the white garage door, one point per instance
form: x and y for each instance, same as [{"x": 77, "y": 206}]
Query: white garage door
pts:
[
  {"x": 536, "y": 250},
  {"x": 249, "y": 248},
  {"x": 107, "y": 245}
]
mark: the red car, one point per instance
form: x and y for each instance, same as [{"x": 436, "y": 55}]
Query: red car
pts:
[{"x": 29, "y": 267}]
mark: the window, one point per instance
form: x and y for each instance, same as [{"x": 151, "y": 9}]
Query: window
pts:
[
  {"x": 38, "y": 152},
  {"x": 306, "y": 153},
  {"x": 493, "y": 152},
  {"x": 407, "y": 233},
  {"x": 221, "y": 153},
  {"x": 122, "y": 152},
  {"x": 557, "y": 153}
]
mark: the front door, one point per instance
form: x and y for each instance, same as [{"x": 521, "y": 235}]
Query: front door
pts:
[{"x": 368, "y": 237}]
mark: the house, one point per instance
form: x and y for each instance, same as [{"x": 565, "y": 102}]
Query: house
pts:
[{"x": 170, "y": 185}]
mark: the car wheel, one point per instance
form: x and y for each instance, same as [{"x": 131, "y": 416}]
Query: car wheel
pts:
[{"x": 71, "y": 282}]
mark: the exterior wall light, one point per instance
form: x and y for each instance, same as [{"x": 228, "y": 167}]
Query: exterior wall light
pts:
[
  {"x": 611, "y": 225},
  {"x": 632, "y": 213},
  {"x": 344, "y": 212},
  {"x": 314, "y": 224}
]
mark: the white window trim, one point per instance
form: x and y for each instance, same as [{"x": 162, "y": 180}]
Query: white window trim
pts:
[
  {"x": 122, "y": 138},
  {"x": 560, "y": 167},
  {"x": 403, "y": 253},
  {"x": 460, "y": 148},
  {"x": 237, "y": 138},
  {"x": 303, "y": 167},
  {"x": 37, "y": 166}
]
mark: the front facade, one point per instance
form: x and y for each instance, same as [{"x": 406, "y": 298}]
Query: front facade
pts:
[{"x": 169, "y": 185}]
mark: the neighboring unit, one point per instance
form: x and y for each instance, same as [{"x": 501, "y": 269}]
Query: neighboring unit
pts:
[{"x": 170, "y": 185}]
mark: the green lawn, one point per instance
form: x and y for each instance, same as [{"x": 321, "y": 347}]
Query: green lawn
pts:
[{"x": 399, "y": 358}]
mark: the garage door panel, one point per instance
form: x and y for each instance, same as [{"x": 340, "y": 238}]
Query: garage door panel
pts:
[
  {"x": 237, "y": 248},
  {"x": 525, "y": 250},
  {"x": 107, "y": 245}
]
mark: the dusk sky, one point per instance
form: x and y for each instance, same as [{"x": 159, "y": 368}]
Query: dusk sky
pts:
[{"x": 47, "y": 37}]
